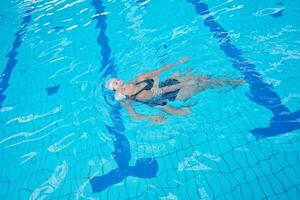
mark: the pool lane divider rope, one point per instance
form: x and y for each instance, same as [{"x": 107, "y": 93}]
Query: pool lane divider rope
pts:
[
  {"x": 144, "y": 167},
  {"x": 283, "y": 121},
  {"x": 12, "y": 55}
]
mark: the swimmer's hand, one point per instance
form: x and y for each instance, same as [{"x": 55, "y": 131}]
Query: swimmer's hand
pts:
[
  {"x": 183, "y": 60},
  {"x": 157, "y": 119}
]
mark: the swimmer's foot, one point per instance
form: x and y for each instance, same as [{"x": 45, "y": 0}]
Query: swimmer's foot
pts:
[{"x": 238, "y": 82}]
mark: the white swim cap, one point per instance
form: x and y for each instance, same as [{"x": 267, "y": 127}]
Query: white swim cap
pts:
[
  {"x": 108, "y": 84},
  {"x": 119, "y": 96}
]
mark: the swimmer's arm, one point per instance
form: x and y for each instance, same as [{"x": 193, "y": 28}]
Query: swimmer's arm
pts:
[
  {"x": 169, "y": 66},
  {"x": 175, "y": 111},
  {"x": 158, "y": 71},
  {"x": 132, "y": 113}
]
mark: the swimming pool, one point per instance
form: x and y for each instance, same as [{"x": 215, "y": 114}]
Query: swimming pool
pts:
[{"x": 59, "y": 126}]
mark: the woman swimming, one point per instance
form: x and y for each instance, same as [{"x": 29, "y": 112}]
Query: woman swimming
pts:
[{"x": 148, "y": 89}]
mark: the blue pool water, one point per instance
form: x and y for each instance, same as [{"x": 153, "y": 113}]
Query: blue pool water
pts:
[{"x": 63, "y": 136}]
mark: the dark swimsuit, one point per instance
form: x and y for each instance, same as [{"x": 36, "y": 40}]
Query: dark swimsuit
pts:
[{"x": 160, "y": 100}]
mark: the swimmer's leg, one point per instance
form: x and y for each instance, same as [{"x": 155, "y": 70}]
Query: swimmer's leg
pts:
[
  {"x": 219, "y": 82},
  {"x": 175, "y": 111},
  {"x": 192, "y": 79},
  {"x": 195, "y": 84},
  {"x": 191, "y": 86},
  {"x": 188, "y": 91},
  {"x": 166, "y": 89}
]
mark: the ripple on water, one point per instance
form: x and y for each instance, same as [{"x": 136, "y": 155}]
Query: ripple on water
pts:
[
  {"x": 6, "y": 109},
  {"x": 60, "y": 145},
  {"x": 30, "y": 117},
  {"x": 27, "y": 157},
  {"x": 267, "y": 12},
  {"x": 52, "y": 183},
  {"x": 192, "y": 163}
]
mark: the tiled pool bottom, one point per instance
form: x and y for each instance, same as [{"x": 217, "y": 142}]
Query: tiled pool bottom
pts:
[
  {"x": 211, "y": 168},
  {"x": 61, "y": 129}
]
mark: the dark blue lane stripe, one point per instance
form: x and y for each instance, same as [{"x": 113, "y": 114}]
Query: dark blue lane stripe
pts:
[
  {"x": 261, "y": 93},
  {"x": 12, "y": 55},
  {"x": 144, "y": 167}
]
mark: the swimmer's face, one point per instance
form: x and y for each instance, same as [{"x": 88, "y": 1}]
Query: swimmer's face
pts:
[{"x": 117, "y": 84}]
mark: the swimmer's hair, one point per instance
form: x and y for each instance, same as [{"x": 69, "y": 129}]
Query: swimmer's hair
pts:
[{"x": 108, "y": 84}]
